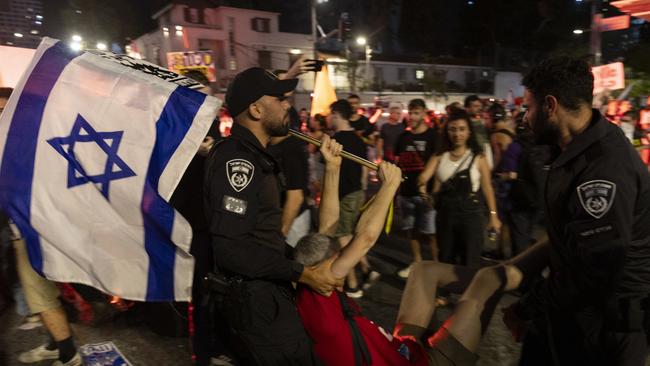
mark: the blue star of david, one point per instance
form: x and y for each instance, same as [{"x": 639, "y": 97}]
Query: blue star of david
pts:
[{"x": 109, "y": 142}]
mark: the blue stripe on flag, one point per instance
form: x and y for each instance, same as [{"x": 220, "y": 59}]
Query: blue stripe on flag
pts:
[
  {"x": 174, "y": 122},
  {"x": 17, "y": 170}
]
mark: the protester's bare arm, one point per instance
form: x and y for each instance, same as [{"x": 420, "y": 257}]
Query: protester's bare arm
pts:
[
  {"x": 371, "y": 222},
  {"x": 329, "y": 205},
  {"x": 488, "y": 193},
  {"x": 427, "y": 173}
]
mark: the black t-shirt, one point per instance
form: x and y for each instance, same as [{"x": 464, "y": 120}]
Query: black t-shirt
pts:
[
  {"x": 364, "y": 126},
  {"x": 413, "y": 151},
  {"x": 350, "y": 179},
  {"x": 390, "y": 133},
  {"x": 291, "y": 155}
]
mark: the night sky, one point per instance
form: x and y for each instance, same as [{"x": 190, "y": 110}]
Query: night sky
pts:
[{"x": 507, "y": 33}]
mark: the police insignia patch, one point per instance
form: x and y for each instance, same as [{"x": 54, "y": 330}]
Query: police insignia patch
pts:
[
  {"x": 596, "y": 197},
  {"x": 240, "y": 173}
]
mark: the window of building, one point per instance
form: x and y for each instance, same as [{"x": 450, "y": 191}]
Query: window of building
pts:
[
  {"x": 231, "y": 36},
  {"x": 194, "y": 15},
  {"x": 261, "y": 25},
  {"x": 419, "y": 74},
  {"x": 264, "y": 59},
  {"x": 401, "y": 74}
]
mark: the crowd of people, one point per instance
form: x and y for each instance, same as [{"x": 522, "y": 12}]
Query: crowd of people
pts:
[{"x": 280, "y": 240}]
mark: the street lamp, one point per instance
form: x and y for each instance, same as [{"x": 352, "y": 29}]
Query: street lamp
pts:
[
  {"x": 578, "y": 31},
  {"x": 18, "y": 35},
  {"x": 363, "y": 41},
  {"x": 76, "y": 38},
  {"x": 101, "y": 46}
]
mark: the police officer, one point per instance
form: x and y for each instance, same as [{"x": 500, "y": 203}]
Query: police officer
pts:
[
  {"x": 591, "y": 308},
  {"x": 242, "y": 199}
]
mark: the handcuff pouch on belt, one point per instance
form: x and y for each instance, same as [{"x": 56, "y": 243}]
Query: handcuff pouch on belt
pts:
[{"x": 230, "y": 296}]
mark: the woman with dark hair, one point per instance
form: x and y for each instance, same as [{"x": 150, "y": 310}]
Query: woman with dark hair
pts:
[{"x": 459, "y": 171}]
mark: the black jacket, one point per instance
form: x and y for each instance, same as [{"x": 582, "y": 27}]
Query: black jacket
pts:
[
  {"x": 597, "y": 203},
  {"x": 242, "y": 205}
]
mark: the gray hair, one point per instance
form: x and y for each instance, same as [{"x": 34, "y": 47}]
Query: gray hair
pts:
[{"x": 315, "y": 248}]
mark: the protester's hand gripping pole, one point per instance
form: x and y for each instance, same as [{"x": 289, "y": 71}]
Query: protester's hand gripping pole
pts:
[{"x": 359, "y": 160}]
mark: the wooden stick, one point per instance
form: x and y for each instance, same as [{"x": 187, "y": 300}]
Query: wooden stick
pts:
[{"x": 367, "y": 163}]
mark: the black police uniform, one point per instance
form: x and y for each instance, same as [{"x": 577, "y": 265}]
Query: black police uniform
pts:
[
  {"x": 590, "y": 310},
  {"x": 242, "y": 198}
]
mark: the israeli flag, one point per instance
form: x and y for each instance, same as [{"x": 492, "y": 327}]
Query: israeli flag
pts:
[{"x": 91, "y": 151}]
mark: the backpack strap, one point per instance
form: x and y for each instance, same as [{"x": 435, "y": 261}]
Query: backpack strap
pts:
[{"x": 361, "y": 351}]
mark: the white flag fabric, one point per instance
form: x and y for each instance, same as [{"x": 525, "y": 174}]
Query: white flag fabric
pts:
[{"x": 91, "y": 151}]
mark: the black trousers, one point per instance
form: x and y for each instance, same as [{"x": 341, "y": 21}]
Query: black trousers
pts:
[
  {"x": 581, "y": 339},
  {"x": 271, "y": 332},
  {"x": 460, "y": 230},
  {"x": 521, "y": 224}
]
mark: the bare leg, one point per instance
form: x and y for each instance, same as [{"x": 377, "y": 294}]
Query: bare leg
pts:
[
  {"x": 418, "y": 300},
  {"x": 433, "y": 243},
  {"x": 56, "y": 323},
  {"x": 465, "y": 322},
  {"x": 415, "y": 245}
]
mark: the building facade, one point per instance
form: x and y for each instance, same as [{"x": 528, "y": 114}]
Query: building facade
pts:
[
  {"x": 21, "y": 22},
  {"x": 238, "y": 39}
]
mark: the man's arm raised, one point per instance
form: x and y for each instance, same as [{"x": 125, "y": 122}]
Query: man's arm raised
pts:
[
  {"x": 371, "y": 222},
  {"x": 329, "y": 203}
]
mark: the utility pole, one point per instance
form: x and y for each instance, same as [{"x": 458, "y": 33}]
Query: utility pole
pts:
[{"x": 595, "y": 48}]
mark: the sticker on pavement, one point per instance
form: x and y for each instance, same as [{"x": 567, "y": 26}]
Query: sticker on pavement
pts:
[{"x": 102, "y": 354}]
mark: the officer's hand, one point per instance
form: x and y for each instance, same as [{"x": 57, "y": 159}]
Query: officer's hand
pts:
[
  {"x": 206, "y": 145},
  {"x": 331, "y": 151},
  {"x": 516, "y": 325},
  {"x": 320, "y": 278},
  {"x": 389, "y": 173}
]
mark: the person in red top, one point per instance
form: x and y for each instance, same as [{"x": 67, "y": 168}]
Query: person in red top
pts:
[{"x": 342, "y": 336}]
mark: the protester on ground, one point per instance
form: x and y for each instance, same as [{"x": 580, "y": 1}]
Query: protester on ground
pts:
[
  {"x": 459, "y": 172},
  {"x": 244, "y": 216},
  {"x": 344, "y": 337},
  {"x": 416, "y": 216},
  {"x": 590, "y": 310}
]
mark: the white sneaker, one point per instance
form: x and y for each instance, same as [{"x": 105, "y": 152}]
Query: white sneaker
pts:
[
  {"x": 74, "y": 361},
  {"x": 222, "y": 360},
  {"x": 30, "y": 322},
  {"x": 370, "y": 279},
  {"x": 38, "y": 354},
  {"x": 404, "y": 273}
]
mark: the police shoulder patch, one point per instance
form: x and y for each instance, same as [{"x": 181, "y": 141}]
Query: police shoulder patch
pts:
[
  {"x": 240, "y": 173},
  {"x": 596, "y": 197}
]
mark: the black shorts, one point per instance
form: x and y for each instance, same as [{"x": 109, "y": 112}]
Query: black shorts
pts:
[{"x": 446, "y": 350}]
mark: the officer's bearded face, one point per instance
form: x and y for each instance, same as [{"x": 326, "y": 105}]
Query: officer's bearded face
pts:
[
  {"x": 537, "y": 118},
  {"x": 275, "y": 119}
]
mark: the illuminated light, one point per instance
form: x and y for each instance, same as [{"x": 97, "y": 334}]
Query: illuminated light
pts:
[
  {"x": 311, "y": 95},
  {"x": 76, "y": 38},
  {"x": 578, "y": 31},
  {"x": 179, "y": 27},
  {"x": 295, "y": 51},
  {"x": 10, "y": 43},
  {"x": 78, "y": 11},
  {"x": 18, "y": 35},
  {"x": 165, "y": 29},
  {"x": 385, "y": 114},
  {"x": 361, "y": 41},
  {"x": 179, "y": 33},
  {"x": 33, "y": 31},
  {"x": 39, "y": 17},
  {"x": 101, "y": 46},
  {"x": 75, "y": 46},
  {"x": 491, "y": 99},
  {"x": 38, "y": 22},
  {"x": 322, "y": 1},
  {"x": 335, "y": 59},
  {"x": 165, "y": 33}
]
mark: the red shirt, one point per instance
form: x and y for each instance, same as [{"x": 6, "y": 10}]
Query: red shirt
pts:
[{"x": 325, "y": 323}]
